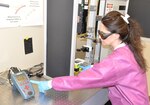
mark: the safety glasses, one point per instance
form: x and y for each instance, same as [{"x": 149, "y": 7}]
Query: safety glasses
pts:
[{"x": 104, "y": 35}]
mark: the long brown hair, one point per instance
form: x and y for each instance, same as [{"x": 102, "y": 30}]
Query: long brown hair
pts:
[{"x": 130, "y": 33}]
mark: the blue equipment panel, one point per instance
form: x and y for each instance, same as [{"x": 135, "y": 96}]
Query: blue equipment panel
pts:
[{"x": 21, "y": 81}]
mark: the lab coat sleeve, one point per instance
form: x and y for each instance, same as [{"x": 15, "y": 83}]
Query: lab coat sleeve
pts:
[{"x": 100, "y": 75}]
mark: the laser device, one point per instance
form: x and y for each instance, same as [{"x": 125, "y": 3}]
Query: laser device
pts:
[{"x": 21, "y": 81}]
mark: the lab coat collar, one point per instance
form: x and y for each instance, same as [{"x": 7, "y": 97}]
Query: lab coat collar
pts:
[{"x": 120, "y": 45}]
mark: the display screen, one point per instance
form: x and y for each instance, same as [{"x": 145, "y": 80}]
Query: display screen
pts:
[{"x": 21, "y": 77}]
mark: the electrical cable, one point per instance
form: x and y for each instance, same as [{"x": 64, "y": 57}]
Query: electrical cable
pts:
[
  {"x": 9, "y": 78},
  {"x": 36, "y": 70},
  {"x": 3, "y": 78}
]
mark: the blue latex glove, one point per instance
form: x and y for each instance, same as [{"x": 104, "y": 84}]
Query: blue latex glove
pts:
[
  {"x": 85, "y": 67},
  {"x": 42, "y": 85}
]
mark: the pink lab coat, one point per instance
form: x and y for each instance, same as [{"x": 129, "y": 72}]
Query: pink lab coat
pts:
[{"x": 119, "y": 72}]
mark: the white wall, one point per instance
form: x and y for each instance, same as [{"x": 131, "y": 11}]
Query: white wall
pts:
[
  {"x": 146, "y": 43},
  {"x": 12, "y": 47}
]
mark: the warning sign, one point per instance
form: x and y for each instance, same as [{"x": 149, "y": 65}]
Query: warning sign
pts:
[{"x": 109, "y": 7}]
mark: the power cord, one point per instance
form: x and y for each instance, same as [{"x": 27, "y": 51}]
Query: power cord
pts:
[
  {"x": 12, "y": 70},
  {"x": 3, "y": 78},
  {"x": 36, "y": 70}
]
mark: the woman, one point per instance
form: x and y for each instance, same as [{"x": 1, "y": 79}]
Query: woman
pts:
[{"x": 123, "y": 71}]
